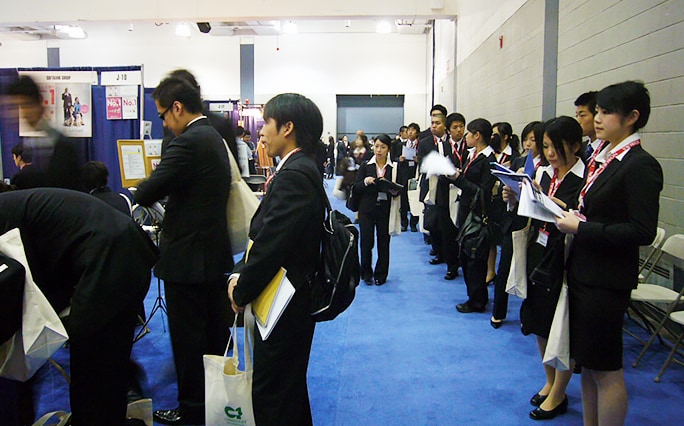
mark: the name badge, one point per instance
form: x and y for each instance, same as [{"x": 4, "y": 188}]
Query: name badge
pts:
[
  {"x": 412, "y": 163},
  {"x": 543, "y": 238},
  {"x": 382, "y": 196}
]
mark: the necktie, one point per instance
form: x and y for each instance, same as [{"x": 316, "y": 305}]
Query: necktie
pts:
[{"x": 590, "y": 150}]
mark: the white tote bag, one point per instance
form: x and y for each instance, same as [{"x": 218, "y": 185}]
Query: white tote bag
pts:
[
  {"x": 517, "y": 276},
  {"x": 42, "y": 332},
  {"x": 242, "y": 204},
  {"x": 557, "y": 354},
  {"x": 227, "y": 389}
]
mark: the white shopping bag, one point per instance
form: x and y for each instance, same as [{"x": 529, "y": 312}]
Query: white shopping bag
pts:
[
  {"x": 42, "y": 332},
  {"x": 227, "y": 389},
  {"x": 517, "y": 277},
  {"x": 557, "y": 354}
]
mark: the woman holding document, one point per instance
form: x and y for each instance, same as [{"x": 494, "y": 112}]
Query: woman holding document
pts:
[
  {"x": 561, "y": 180},
  {"x": 619, "y": 205},
  {"x": 377, "y": 203},
  {"x": 476, "y": 182}
]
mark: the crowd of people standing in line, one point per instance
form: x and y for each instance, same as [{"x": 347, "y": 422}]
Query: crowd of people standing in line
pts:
[{"x": 594, "y": 167}]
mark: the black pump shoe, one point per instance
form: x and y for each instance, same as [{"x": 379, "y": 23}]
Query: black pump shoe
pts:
[
  {"x": 539, "y": 414},
  {"x": 537, "y": 399},
  {"x": 496, "y": 324}
]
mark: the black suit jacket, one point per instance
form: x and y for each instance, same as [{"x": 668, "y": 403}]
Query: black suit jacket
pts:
[
  {"x": 221, "y": 124},
  {"x": 29, "y": 177},
  {"x": 368, "y": 194},
  {"x": 81, "y": 251},
  {"x": 621, "y": 208},
  {"x": 286, "y": 230},
  {"x": 477, "y": 176},
  {"x": 194, "y": 173}
]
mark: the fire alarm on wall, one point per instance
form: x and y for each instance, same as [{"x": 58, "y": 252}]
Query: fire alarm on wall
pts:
[{"x": 500, "y": 42}]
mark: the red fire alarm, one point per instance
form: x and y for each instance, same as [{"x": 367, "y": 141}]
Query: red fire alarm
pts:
[{"x": 500, "y": 42}]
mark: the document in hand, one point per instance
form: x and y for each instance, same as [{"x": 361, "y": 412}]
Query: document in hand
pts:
[
  {"x": 435, "y": 164},
  {"x": 509, "y": 177},
  {"x": 270, "y": 304},
  {"x": 408, "y": 153},
  {"x": 535, "y": 204},
  {"x": 389, "y": 187}
]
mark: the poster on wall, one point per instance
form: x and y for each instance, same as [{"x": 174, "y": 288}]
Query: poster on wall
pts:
[
  {"x": 67, "y": 100},
  {"x": 122, "y": 102}
]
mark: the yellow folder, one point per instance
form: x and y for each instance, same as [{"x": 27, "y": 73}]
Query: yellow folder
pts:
[{"x": 263, "y": 304}]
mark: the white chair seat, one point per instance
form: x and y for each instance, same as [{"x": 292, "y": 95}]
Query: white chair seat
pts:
[
  {"x": 677, "y": 316},
  {"x": 653, "y": 293}
]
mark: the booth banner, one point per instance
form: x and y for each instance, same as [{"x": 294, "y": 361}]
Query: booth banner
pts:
[
  {"x": 122, "y": 102},
  {"x": 67, "y": 100}
]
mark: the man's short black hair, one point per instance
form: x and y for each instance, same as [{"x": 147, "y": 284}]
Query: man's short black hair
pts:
[
  {"x": 186, "y": 75},
  {"x": 587, "y": 99},
  {"x": 173, "y": 89},
  {"x": 440, "y": 108},
  {"x": 623, "y": 98},
  {"x": 239, "y": 131},
  {"x": 26, "y": 87},
  {"x": 94, "y": 175},
  {"x": 304, "y": 115},
  {"x": 402, "y": 128},
  {"x": 25, "y": 152},
  {"x": 247, "y": 132},
  {"x": 455, "y": 116},
  {"x": 415, "y": 127}
]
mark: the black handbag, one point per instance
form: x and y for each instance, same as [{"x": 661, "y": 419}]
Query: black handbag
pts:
[
  {"x": 474, "y": 236},
  {"x": 353, "y": 201},
  {"x": 548, "y": 273}
]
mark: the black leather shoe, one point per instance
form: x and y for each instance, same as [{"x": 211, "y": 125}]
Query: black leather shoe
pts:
[
  {"x": 368, "y": 280},
  {"x": 496, "y": 324},
  {"x": 451, "y": 275},
  {"x": 467, "y": 308},
  {"x": 175, "y": 417},
  {"x": 577, "y": 369},
  {"x": 433, "y": 252},
  {"x": 537, "y": 399},
  {"x": 379, "y": 282},
  {"x": 539, "y": 414},
  {"x": 404, "y": 228},
  {"x": 414, "y": 229},
  {"x": 436, "y": 260}
]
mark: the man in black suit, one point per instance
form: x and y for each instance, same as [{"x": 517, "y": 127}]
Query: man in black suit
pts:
[
  {"x": 95, "y": 176},
  {"x": 403, "y": 174},
  {"x": 437, "y": 218},
  {"x": 84, "y": 254},
  {"x": 28, "y": 175},
  {"x": 194, "y": 173},
  {"x": 286, "y": 232}
]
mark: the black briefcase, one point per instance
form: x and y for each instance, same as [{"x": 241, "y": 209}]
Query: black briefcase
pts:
[{"x": 12, "y": 275}]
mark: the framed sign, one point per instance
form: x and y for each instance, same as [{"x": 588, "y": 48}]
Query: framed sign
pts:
[{"x": 133, "y": 164}]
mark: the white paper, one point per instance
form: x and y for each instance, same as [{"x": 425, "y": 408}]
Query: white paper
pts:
[
  {"x": 435, "y": 164},
  {"x": 282, "y": 299},
  {"x": 408, "y": 153},
  {"x": 511, "y": 180},
  {"x": 537, "y": 205},
  {"x": 133, "y": 162}
]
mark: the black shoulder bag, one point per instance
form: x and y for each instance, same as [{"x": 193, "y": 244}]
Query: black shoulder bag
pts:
[{"x": 475, "y": 235}]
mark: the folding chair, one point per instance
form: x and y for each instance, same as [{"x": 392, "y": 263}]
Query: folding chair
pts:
[
  {"x": 676, "y": 317},
  {"x": 649, "y": 294}
]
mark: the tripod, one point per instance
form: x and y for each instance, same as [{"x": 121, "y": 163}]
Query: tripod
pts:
[{"x": 159, "y": 302}]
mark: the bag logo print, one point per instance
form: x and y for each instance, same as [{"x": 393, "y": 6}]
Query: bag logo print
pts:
[{"x": 233, "y": 413}]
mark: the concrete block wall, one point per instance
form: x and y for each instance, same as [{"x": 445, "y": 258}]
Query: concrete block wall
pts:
[
  {"x": 505, "y": 84},
  {"x": 602, "y": 42}
]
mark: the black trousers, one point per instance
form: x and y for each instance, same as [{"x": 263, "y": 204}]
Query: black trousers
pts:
[
  {"x": 444, "y": 238},
  {"x": 475, "y": 274},
  {"x": 500, "y": 304},
  {"x": 200, "y": 318},
  {"x": 377, "y": 219},
  {"x": 99, "y": 371}
]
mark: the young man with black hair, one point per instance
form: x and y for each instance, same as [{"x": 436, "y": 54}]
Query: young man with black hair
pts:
[
  {"x": 402, "y": 163},
  {"x": 585, "y": 109},
  {"x": 194, "y": 173},
  {"x": 286, "y": 232},
  {"x": 28, "y": 175}
]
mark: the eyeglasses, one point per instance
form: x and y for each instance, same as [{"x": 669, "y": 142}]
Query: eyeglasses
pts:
[{"x": 161, "y": 116}]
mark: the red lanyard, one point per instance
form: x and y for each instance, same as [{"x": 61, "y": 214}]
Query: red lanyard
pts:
[
  {"x": 503, "y": 158},
  {"x": 595, "y": 173},
  {"x": 592, "y": 160},
  {"x": 555, "y": 183},
  {"x": 456, "y": 153},
  {"x": 470, "y": 162}
]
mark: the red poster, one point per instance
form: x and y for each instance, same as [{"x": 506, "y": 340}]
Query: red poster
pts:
[{"x": 114, "y": 109}]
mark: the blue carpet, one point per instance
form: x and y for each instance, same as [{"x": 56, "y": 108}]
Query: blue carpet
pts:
[{"x": 402, "y": 355}]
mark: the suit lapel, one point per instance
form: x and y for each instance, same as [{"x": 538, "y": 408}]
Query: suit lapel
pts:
[{"x": 609, "y": 172}]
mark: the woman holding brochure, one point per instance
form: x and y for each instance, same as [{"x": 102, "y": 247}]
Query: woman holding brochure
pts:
[
  {"x": 561, "y": 180},
  {"x": 378, "y": 210},
  {"x": 620, "y": 203},
  {"x": 475, "y": 180}
]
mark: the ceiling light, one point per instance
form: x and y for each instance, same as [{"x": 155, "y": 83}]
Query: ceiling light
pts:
[
  {"x": 347, "y": 23},
  {"x": 183, "y": 30},
  {"x": 384, "y": 27},
  {"x": 290, "y": 28},
  {"x": 130, "y": 27},
  {"x": 71, "y": 31}
]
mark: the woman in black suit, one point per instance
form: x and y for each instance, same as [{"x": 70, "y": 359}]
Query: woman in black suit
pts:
[
  {"x": 375, "y": 207},
  {"x": 618, "y": 206},
  {"x": 475, "y": 176},
  {"x": 561, "y": 180}
]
